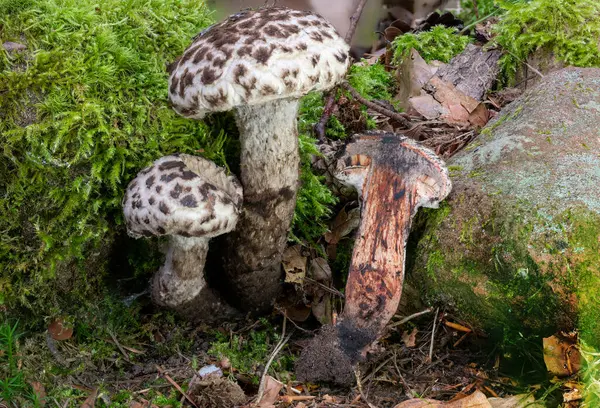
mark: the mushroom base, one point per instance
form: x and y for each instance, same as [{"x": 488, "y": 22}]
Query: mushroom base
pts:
[
  {"x": 269, "y": 174},
  {"x": 180, "y": 285}
]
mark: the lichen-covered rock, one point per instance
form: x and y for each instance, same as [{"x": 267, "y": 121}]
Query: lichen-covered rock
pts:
[{"x": 516, "y": 248}]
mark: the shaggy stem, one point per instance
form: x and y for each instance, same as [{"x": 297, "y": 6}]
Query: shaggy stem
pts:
[
  {"x": 180, "y": 285},
  {"x": 269, "y": 173}
]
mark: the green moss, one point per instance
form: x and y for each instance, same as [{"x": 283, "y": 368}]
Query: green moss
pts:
[
  {"x": 569, "y": 30},
  {"x": 247, "y": 352},
  {"x": 84, "y": 109},
  {"x": 440, "y": 43},
  {"x": 372, "y": 81}
]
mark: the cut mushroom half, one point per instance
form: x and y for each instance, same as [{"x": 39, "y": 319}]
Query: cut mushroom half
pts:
[
  {"x": 394, "y": 176},
  {"x": 191, "y": 200},
  {"x": 259, "y": 63}
]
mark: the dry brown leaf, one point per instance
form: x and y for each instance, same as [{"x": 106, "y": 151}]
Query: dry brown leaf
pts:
[
  {"x": 39, "y": 391},
  {"x": 271, "y": 393},
  {"x": 515, "y": 401},
  {"x": 475, "y": 400},
  {"x": 460, "y": 108},
  {"x": 426, "y": 106},
  {"x": 322, "y": 309},
  {"x": 90, "y": 401},
  {"x": 343, "y": 224},
  {"x": 412, "y": 74},
  {"x": 561, "y": 356},
  {"x": 60, "y": 330},
  {"x": 573, "y": 395},
  {"x": 320, "y": 270},
  {"x": 294, "y": 264},
  {"x": 410, "y": 339}
]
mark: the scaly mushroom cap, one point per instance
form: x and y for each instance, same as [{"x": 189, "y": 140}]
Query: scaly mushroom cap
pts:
[
  {"x": 416, "y": 163},
  {"x": 182, "y": 195},
  {"x": 257, "y": 56}
]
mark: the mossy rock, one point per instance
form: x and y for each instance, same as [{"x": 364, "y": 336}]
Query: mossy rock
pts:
[{"x": 516, "y": 247}]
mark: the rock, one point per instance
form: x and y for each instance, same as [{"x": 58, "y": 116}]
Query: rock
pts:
[{"x": 516, "y": 247}]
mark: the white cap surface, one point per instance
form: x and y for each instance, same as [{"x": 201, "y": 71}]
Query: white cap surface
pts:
[
  {"x": 182, "y": 195},
  {"x": 257, "y": 56}
]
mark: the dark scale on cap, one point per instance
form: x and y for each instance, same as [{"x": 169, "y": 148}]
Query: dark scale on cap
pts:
[
  {"x": 158, "y": 189},
  {"x": 151, "y": 200},
  {"x": 174, "y": 84},
  {"x": 316, "y": 36},
  {"x": 262, "y": 54},
  {"x": 240, "y": 71},
  {"x": 315, "y": 59},
  {"x": 167, "y": 178},
  {"x": 164, "y": 208},
  {"x": 341, "y": 57},
  {"x": 209, "y": 76},
  {"x": 176, "y": 191},
  {"x": 189, "y": 201},
  {"x": 267, "y": 90},
  {"x": 173, "y": 164},
  {"x": 188, "y": 175}
]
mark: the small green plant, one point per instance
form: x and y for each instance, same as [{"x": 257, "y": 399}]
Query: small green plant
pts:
[
  {"x": 13, "y": 386},
  {"x": 440, "y": 43},
  {"x": 372, "y": 81},
  {"x": 569, "y": 30},
  {"x": 247, "y": 351}
]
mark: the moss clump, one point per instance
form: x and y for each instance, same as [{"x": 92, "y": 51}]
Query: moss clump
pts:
[
  {"x": 569, "y": 30},
  {"x": 372, "y": 81},
  {"x": 440, "y": 43}
]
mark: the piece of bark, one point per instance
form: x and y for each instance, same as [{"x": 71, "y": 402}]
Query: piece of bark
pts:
[{"x": 473, "y": 72}]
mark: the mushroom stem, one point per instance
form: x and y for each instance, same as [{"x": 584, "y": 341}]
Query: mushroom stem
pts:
[
  {"x": 269, "y": 174},
  {"x": 180, "y": 284}
]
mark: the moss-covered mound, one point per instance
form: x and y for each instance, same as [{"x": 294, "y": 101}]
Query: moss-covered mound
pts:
[{"x": 516, "y": 248}]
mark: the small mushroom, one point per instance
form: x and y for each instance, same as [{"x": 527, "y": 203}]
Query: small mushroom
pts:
[
  {"x": 259, "y": 63},
  {"x": 190, "y": 199},
  {"x": 394, "y": 176}
]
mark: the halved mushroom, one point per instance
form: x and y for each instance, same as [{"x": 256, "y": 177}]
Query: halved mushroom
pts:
[
  {"x": 190, "y": 199},
  {"x": 394, "y": 176}
]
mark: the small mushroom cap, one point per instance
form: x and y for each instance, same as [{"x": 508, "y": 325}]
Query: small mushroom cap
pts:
[
  {"x": 182, "y": 195},
  {"x": 417, "y": 165},
  {"x": 257, "y": 56}
]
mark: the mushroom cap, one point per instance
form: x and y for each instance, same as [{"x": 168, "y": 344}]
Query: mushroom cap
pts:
[
  {"x": 417, "y": 164},
  {"x": 257, "y": 56},
  {"x": 182, "y": 195}
]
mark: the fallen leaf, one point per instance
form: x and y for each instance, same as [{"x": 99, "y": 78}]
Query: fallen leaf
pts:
[
  {"x": 39, "y": 391},
  {"x": 412, "y": 74},
  {"x": 297, "y": 313},
  {"x": 573, "y": 395},
  {"x": 475, "y": 400},
  {"x": 410, "y": 339},
  {"x": 426, "y": 106},
  {"x": 515, "y": 401},
  {"x": 343, "y": 224},
  {"x": 294, "y": 264},
  {"x": 90, "y": 401},
  {"x": 60, "y": 330},
  {"x": 459, "y": 108},
  {"x": 271, "y": 393},
  {"x": 320, "y": 270},
  {"x": 321, "y": 308},
  {"x": 561, "y": 356}
]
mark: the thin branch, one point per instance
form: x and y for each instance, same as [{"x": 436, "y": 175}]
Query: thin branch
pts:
[
  {"x": 433, "y": 334},
  {"x": 278, "y": 347},
  {"x": 354, "y": 21},
  {"x": 412, "y": 316},
  {"x": 377, "y": 108}
]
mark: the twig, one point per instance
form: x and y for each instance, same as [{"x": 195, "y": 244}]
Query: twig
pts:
[
  {"x": 433, "y": 334},
  {"x": 325, "y": 287},
  {"x": 360, "y": 389},
  {"x": 526, "y": 64},
  {"x": 330, "y": 101},
  {"x": 174, "y": 384},
  {"x": 377, "y": 108},
  {"x": 412, "y": 316},
  {"x": 404, "y": 383},
  {"x": 476, "y": 9},
  {"x": 354, "y": 21},
  {"x": 114, "y": 339},
  {"x": 278, "y": 347}
]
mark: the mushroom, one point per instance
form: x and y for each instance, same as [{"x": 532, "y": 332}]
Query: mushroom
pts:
[
  {"x": 190, "y": 199},
  {"x": 259, "y": 63},
  {"x": 394, "y": 176}
]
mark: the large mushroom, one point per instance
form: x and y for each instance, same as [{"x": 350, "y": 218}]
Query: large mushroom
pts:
[
  {"x": 259, "y": 63},
  {"x": 190, "y": 199},
  {"x": 394, "y": 176}
]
